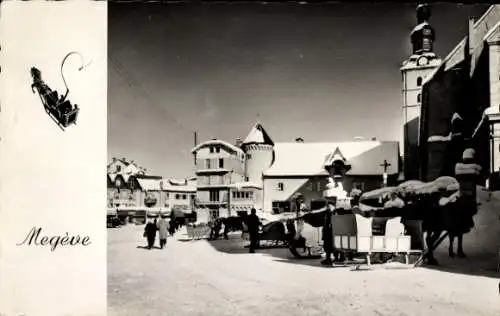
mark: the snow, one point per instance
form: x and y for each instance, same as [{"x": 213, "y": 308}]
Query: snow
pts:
[
  {"x": 308, "y": 159},
  {"x": 221, "y": 278},
  {"x": 217, "y": 142},
  {"x": 258, "y": 135}
]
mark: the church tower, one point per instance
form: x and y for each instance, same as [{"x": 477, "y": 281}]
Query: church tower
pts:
[
  {"x": 259, "y": 149},
  {"x": 414, "y": 70}
]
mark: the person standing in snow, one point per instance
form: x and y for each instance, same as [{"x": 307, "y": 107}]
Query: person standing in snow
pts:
[
  {"x": 163, "y": 228},
  {"x": 253, "y": 224},
  {"x": 327, "y": 233},
  {"x": 150, "y": 233}
]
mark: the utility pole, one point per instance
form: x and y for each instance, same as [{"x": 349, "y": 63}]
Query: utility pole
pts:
[
  {"x": 195, "y": 134},
  {"x": 385, "y": 165}
]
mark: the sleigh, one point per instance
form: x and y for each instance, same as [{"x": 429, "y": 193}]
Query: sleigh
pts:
[
  {"x": 357, "y": 235},
  {"x": 61, "y": 111},
  {"x": 273, "y": 235}
]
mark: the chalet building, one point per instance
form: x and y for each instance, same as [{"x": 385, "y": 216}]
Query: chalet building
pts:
[
  {"x": 220, "y": 174},
  {"x": 461, "y": 103},
  {"x": 257, "y": 172},
  {"x": 131, "y": 190}
]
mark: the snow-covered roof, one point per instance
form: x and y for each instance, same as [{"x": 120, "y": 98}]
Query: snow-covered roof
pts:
[
  {"x": 164, "y": 185},
  {"x": 258, "y": 135},
  {"x": 217, "y": 142},
  {"x": 457, "y": 55},
  {"x": 308, "y": 159},
  {"x": 245, "y": 185},
  {"x": 493, "y": 34},
  {"x": 439, "y": 138},
  {"x": 419, "y": 27}
]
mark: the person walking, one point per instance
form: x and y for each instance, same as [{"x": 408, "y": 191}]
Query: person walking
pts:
[
  {"x": 150, "y": 233},
  {"x": 163, "y": 228},
  {"x": 253, "y": 224}
]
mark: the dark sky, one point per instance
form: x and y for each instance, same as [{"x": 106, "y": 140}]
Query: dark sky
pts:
[{"x": 322, "y": 72}]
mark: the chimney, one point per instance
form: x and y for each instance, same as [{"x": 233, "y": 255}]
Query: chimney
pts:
[
  {"x": 238, "y": 142},
  {"x": 114, "y": 159},
  {"x": 124, "y": 159},
  {"x": 374, "y": 139},
  {"x": 299, "y": 140}
]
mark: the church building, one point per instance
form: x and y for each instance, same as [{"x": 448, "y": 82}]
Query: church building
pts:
[{"x": 460, "y": 101}]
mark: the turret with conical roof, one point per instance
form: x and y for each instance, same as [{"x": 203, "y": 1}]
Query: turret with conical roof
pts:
[{"x": 259, "y": 149}]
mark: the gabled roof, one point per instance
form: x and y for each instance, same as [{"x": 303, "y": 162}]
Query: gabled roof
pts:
[
  {"x": 334, "y": 156},
  {"x": 308, "y": 159},
  {"x": 258, "y": 135},
  {"x": 217, "y": 142}
]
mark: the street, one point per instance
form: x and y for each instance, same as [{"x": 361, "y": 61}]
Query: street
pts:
[{"x": 220, "y": 278}]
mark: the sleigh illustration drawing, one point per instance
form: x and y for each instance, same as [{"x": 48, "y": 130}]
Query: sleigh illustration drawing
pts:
[{"x": 58, "y": 107}]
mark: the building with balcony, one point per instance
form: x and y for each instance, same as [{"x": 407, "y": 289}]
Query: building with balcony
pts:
[
  {"x": 259, "y": 173},
  {"x": 131, "y": 191}
]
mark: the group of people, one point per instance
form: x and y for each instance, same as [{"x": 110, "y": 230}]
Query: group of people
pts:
[{"x": 162, "y": 227}]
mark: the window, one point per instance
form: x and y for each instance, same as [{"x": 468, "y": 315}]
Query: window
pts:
[
  {"x": 221, "y": 163},
  {"x": 167, "y": 195},
  {"x": 419, "y": 98},
  {"x": 217, "y": 149},
  {"x": 211, "y": 150},
  {"x": 214, "y": 214},
  {"x": 249, "y": 156},
  {"x": 319, "y": 186},
  {"x": 358, "y": 185},
  {"x": 214, "y": 196},
  {"x": 118, "y": 168},
  {"x": 184, "y": 196},
  {"x": 234, "y": 195},
  {"x": 247, "y": 195},
  {"x": 193, "y": 196},
  {"x": 177, "y": 196},
  {"x": 281, "y": 186},
  {"x": 419, "y": 81},
  {"x": 246, "y": 179},
  {"x": 281, "y": 206},
  {"x": 207, "y": 163}
]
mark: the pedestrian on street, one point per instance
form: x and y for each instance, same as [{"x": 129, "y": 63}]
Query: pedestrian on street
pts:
[
  {"x": 253, "y": 224},
  {"x": 163, "y": 231},
  {"x": 150, "y": 233},
  {"x": 327, "y": 234}
]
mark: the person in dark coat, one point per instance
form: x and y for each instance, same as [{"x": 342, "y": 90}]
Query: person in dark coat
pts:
[
  {"x": 253, "y": 224},
  {"x": 327, "y": 234},
  {"x": 150, "y": 233}
]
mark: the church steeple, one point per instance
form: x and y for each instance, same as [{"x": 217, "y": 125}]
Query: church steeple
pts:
[{"x": 423, "y": 35}]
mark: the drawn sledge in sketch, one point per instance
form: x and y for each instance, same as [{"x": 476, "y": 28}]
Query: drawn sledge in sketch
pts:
[{"x": 59, "y": 108}]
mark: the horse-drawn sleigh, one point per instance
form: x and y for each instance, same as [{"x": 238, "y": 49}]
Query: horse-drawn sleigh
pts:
[{"x": 373, "y": 231}]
